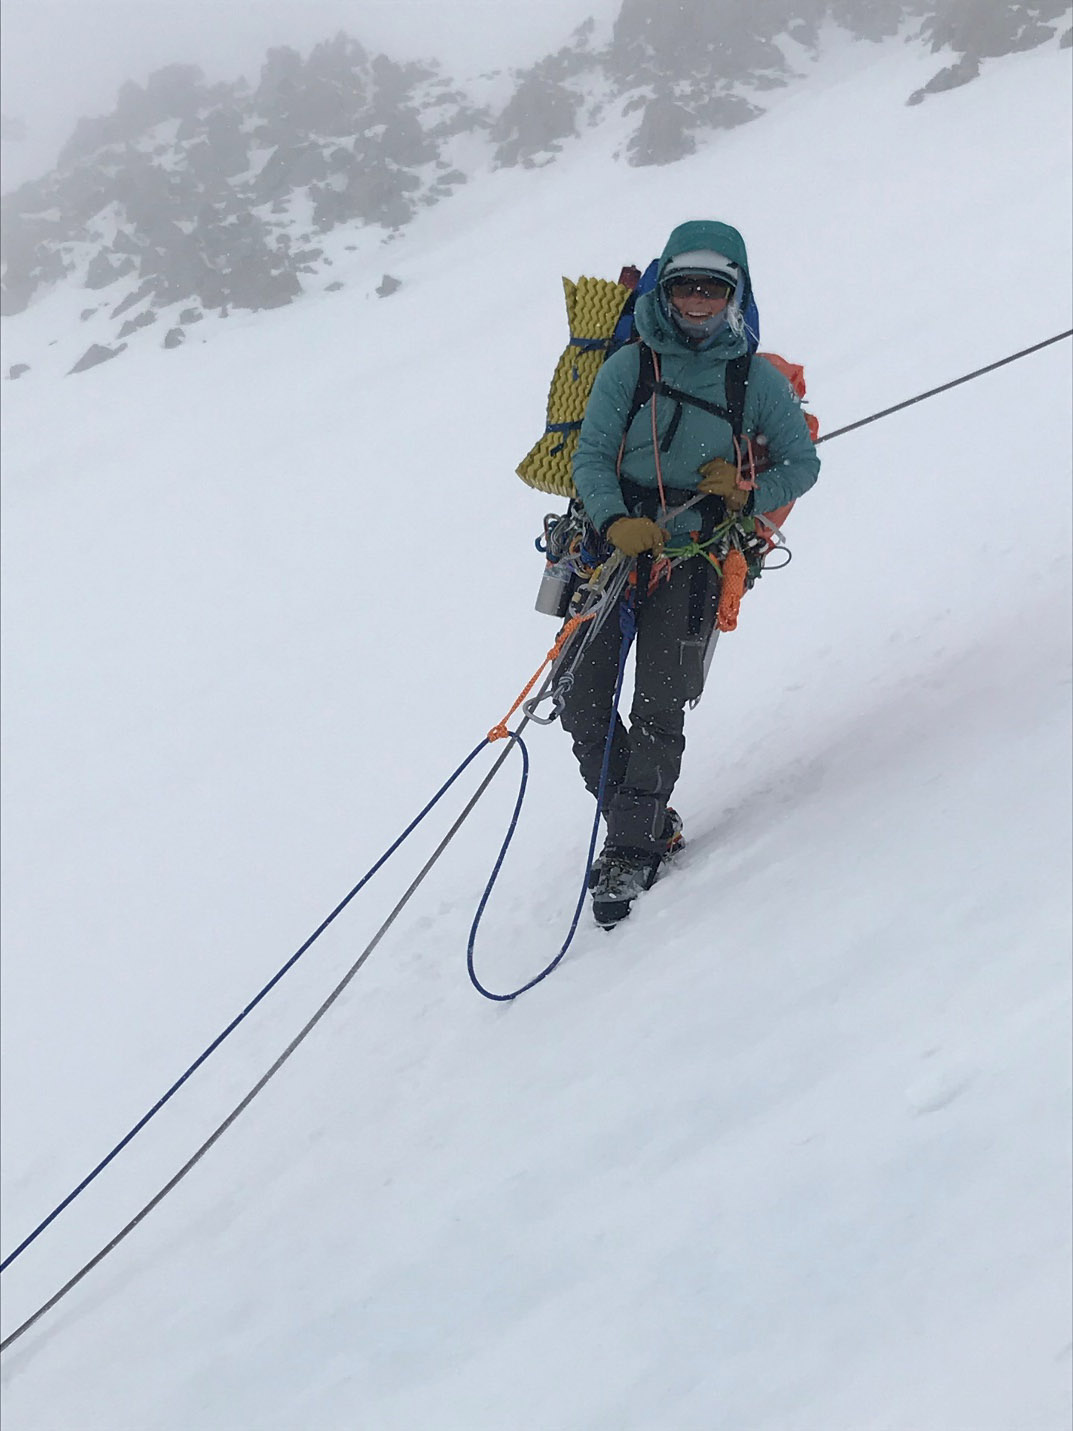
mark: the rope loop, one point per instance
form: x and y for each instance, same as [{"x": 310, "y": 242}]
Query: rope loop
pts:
[{"x": 628, "y": 628}]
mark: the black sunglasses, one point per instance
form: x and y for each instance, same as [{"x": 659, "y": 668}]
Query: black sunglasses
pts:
[{"x": 702, "y": 287}]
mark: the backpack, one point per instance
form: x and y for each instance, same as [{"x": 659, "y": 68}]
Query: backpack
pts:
[{"x": 600, "y": 317}]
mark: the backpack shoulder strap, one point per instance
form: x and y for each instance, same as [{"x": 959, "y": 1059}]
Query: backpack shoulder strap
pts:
[
  {"x": 646, "y": 382},
  {"x": 737, "y": 382}
]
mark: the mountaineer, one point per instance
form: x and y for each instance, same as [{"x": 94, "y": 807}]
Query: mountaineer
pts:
[{"x": 635, "y": 467}]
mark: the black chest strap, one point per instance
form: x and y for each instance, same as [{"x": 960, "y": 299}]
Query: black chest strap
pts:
[{"x": 737, "y": 380}]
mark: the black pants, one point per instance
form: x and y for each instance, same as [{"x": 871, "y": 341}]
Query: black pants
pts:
[{"x": 674, "y": 627}]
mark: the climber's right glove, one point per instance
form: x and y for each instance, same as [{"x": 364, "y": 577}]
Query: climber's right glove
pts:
[
  {"x": 720, "y": 479},
  {"x": 634, "y": 535}
]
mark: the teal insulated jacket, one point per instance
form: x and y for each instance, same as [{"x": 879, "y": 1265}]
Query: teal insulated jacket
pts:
[{"x": 771, "y": 408}]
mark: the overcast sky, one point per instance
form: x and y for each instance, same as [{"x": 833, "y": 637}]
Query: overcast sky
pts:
[{"x": 65, "y": 58}]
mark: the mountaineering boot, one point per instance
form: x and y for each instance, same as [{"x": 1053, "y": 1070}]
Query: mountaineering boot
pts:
[
  {"x": 624, "y": 874},
  {"x": 671, "y": 842},
  {"x": 671, "y": 834}
]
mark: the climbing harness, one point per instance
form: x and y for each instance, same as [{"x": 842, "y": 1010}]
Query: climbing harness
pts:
[{"x": 740, "y": 549}]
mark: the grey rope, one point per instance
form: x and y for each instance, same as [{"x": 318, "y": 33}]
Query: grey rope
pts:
[
  {"x": 944, "y": 387},
  {"x": 299, "y": 1038}
]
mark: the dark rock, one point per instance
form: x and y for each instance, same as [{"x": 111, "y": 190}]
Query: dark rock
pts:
[
  {"x": 874, "y": 20},
  {"x": 102, "y": 271},
  {"x": 174, "y": 338},
  {"x": 991, "y": 30},
  {"x": 333, "y": 287},
  {"x": 87, "y": 313},
  {"x": 952, "y": 77},
  {"x": 404, "y": 141},
  {"x": 289, "y": 167},
  {"x": 543, "y": 111},
  {"x": 174, "y": 92},
  {"x": 30, "y": 266},
  {"x": 388, "y": 285},
  {"x": 191, "y": 315},
  {"x": 1067, "y": 40},
  {"x": 540, "y": 115},
  {"x": 688, "y": 61},
  {"x": 376, "y": 192},
  {"x": 95, "y": 355},
  {"x": 666, "y": 133},
  {"x": 256, "y": 281},
  {"x": 226, "y": 141},
  {"x": 132, "y": 325},
  {"x": 341, "y": 160},
  {"x": 124, "y": 243},
  {"x": 80, "y": 195},
  {"x": 132, "y": 298},
  {"x": 17, "y": 369},
  {"x": 725, "y": 111},
  {"x": 659, "y": 44}
]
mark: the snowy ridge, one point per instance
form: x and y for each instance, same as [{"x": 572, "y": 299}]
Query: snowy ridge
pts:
[
  {"x": 192, "y": 200},
  {"x": 789, "y": 1151}
]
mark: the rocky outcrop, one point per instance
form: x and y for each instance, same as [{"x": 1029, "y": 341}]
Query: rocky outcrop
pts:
[
  {"x": 95, "y": 355},
  {"x": 698, "y": 65},
  {"x": 966, "y": 69},
  {"x": 184, "y": 191},
  {"x": 991, "y": 30},
  {"x": 546, "y": 104},
  {"x": 219, "y": 196},
  {"x": 980, "y": 32}
]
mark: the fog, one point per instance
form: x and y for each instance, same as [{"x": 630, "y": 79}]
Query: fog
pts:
[{"x": 65, "y": 58}]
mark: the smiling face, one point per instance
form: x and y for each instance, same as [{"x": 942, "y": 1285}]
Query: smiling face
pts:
[
  {"x": 697, "y": 297},
  {"x": 698, "y": 303}
]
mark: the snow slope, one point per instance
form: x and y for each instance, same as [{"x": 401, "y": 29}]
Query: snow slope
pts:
[{"x": 787, "y": 1152}]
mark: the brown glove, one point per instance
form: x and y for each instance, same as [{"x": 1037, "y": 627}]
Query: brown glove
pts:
[
  {"x": 720, "y": 479},
  {"x": 634, "y": 535}
]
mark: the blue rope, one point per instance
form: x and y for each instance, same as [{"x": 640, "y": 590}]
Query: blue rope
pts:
[
  {"x": 290, "y": 963},
  {"x": 166, "y": 1097},
  {"x": 627, "y": 622}
]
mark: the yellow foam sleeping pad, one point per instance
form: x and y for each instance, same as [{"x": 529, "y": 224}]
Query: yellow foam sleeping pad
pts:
[{"x": 593, "y": 308}]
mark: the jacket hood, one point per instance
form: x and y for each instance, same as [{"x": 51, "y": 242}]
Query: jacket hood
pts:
[
  {"x": 705, "y": 233},
  {"x": 651, "y": 323}
]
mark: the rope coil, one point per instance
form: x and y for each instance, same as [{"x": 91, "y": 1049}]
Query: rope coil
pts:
[{"x": 735, "y": 574}]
